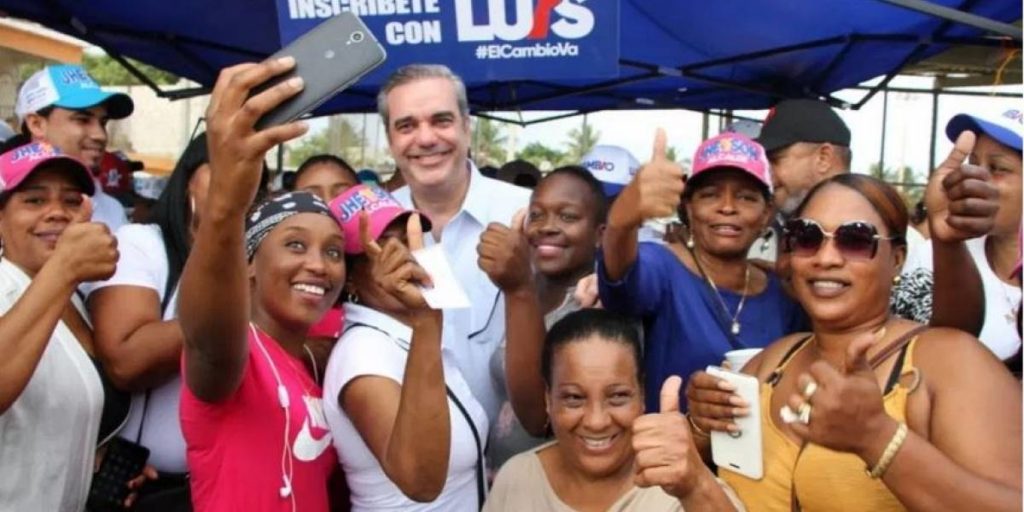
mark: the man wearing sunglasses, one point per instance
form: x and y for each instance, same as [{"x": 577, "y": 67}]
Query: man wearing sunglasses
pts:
[{"x": 807, "y": 143}]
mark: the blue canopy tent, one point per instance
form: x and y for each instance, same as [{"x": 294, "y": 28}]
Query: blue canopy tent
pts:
[{"x": 730, "y": 54}]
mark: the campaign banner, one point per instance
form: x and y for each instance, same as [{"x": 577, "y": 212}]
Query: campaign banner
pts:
[{"x": 481, "y": 40}]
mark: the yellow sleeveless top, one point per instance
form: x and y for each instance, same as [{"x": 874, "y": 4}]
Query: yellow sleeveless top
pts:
[{"x": 825, "y": 480}]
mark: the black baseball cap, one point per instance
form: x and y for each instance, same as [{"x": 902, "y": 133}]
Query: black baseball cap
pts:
[{"x": 802, "y": 120}]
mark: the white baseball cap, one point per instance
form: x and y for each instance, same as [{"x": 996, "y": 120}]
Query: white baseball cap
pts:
[
  {"x": 1005, "y": 126},
  {"x": 613, "y": 166}
]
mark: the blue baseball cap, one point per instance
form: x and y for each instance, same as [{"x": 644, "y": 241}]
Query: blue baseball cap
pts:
[
  {"x": 613, "y": 166},
  {"x": 1005, "y": 126},
  {"x": 68, "y": 86}
]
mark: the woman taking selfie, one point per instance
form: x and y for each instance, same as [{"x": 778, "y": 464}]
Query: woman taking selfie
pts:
[
  {"x": 255, "y": 281},
  {"x": 869, "y": 412}
]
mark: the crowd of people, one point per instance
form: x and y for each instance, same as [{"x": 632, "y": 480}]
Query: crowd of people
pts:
[{"x": 277, "y": 350}]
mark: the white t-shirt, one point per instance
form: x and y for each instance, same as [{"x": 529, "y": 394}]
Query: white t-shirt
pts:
[
  {"x": 380, "y": 347},
  {"x": 999, "y": 333},
  {"x": 48, "y": 435},
  {"x": 107, "y": 210},
  {"x": 144, "y": 263}
]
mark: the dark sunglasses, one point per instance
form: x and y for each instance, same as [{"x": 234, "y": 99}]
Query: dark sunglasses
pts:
[{"x": 855, "y": 239}]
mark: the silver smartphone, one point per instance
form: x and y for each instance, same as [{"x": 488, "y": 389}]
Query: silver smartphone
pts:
[
  {"x": 329, "y": 58},
  {"x": 740, "y": 452}
]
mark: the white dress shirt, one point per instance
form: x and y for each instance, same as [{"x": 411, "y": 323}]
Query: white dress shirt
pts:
[{"x": 474, "y": 334}]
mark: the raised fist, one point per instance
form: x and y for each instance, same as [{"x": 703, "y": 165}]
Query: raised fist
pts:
[
  {"x": 504, "y": 254},
  {"x": 87, "y": 251}
]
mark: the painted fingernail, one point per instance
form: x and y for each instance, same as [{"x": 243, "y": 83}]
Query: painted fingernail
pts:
[
  {"x": 295, "y": 82},
  {"x": 287, "y": 60},
  {"x": 732, "y": 427},
  {"x": 726, "y": 385},
  {"x": 740, "y": 412}
]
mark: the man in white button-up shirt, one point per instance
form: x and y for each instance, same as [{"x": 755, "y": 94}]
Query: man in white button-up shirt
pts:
[{"x": 426, "y": 116}]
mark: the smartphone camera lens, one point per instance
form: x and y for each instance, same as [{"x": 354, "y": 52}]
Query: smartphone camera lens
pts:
[{"x": 357, "y": 37}]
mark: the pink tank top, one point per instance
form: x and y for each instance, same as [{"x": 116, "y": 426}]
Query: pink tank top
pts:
[{"x": 242, "y": 450}]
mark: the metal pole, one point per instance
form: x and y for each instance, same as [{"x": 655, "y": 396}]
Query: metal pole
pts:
[
  {"x": 957, "y": 16},
  {"x": 885, "y": 118},
  {"x": 935, "y": 124},
  {"x": 704, "y": 125}
]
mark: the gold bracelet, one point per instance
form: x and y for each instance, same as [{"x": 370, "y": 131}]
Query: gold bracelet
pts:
[
  {"x": 696, "y": 427},
  {"x": 890, "y": 452}
]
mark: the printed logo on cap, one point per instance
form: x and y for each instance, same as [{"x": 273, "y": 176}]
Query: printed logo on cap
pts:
[
  {"x": 1014, "y": 115},
  {"x": 37, "y": 151},
  {"x": 728, "y": 148},
  {"x": 74, "y": 75},
  {"x": 369, "y": 198}
]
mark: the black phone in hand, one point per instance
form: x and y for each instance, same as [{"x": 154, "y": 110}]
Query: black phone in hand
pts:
[{"x": 123, "y": 461}]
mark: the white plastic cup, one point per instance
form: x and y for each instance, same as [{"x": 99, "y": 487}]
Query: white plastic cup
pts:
[{"x": 739, "y": 358}]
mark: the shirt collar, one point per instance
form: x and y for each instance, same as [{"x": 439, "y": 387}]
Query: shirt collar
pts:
[
  {"x": 477, "y": 198},
  {"x": 475, "y": 204},
  {"x": 362, "y": 315}
]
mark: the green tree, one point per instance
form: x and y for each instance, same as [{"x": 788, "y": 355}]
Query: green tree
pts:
[
  {"x": 344, "y": 140},
  {"x": 339, "y": 138},
  {"x": 903, "y": 179},
  {"x": 106, "y": 71},
  {"x": 672, "y": 153},
  {"x": 314, "y": 144},
  {"x": 581, "y": 141},
  {"x": 538, "y": 154},
  {"x": 488, "y": 142}
]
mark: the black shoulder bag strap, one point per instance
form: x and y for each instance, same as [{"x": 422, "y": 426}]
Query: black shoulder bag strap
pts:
[{"x": 481, "y": 478}]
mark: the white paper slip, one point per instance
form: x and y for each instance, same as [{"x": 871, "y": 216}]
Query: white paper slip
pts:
[{"x": 447, "y": 293}]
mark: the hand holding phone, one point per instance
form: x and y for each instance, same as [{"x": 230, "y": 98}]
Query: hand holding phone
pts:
[
  {"x": 740, "y": 451},
  {"x": 329, "y": 58},
  {"x": 122, "y": 462}
]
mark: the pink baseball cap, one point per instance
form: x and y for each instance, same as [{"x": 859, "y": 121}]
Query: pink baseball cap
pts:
[
  {"x": 735, "y": 151},
  {"x": 381, "y": 208},
  {"x": 19, "y": 163}
]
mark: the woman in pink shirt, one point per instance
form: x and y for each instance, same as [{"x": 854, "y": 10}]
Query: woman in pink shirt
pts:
[{"x": 255, "y": 281}]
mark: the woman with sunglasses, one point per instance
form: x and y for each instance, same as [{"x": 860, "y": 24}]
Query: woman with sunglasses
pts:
[
  {"x": 869, "y": 411},
  {"x": 255, "y": 281},
  {"x": 703, "y": 298}
]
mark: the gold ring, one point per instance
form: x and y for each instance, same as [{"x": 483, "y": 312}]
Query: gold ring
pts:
[{"x": 810, "y": 389}]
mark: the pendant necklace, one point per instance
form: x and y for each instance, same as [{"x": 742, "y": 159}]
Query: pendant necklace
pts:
[{"x": 734, "y": 327}]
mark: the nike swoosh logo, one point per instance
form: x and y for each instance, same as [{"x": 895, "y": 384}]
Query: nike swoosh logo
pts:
[{"x": 306, "y": 447}]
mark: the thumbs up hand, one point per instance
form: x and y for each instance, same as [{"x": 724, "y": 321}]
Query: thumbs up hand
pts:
[
  {"x": 665, "y": 453},
  {"x": 961, "y": 199},
  {"x": 845, "y": 412},
  {"x": 504, "y": 254},
  {"x": 658, "y": 184},
  {"x": 392, "y": 266}
]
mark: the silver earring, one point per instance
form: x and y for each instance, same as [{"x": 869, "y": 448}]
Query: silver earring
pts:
[
  {"x": 689, "y": 241},
  {"x": 352, "y": 297},
  {"x": 764, "y": 243}
]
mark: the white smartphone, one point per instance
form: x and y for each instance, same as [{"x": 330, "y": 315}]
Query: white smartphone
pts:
[
  {"x": 743, "y": 452},
  {"x": 329, "y": 58}
]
